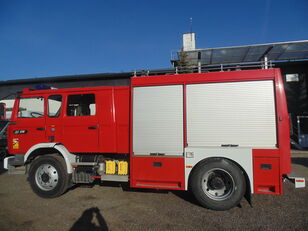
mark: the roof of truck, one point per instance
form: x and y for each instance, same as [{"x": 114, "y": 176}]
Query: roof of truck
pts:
[
  {"x": 28, "y": 91},
  {"x": 226, "y": 76}
]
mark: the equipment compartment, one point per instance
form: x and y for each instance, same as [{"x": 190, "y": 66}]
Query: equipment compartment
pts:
[
  {"x": 157, "y": 172},
  {"x": 266, "y": 175}
]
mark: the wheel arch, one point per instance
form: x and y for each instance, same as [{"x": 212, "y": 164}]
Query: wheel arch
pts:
[
  {"x": 211, "y": 159},
  {"x": 47, "y": 149}
]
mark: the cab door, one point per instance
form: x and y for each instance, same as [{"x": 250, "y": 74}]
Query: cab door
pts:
[
  {"x": 54, "y": 124},
  {"x": 27, "y": 127},
  {"x": 80, "y": 123}
]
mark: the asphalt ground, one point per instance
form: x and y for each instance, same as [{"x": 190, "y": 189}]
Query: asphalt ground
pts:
[{"x": 112, "y": 207}]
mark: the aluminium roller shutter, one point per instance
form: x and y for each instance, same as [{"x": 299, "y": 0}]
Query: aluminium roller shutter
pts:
[
  {"x": 237, "y": 113},
  {"x": 158, "y": 120}
]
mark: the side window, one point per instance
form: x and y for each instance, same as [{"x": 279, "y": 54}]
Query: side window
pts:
[
  {"x": 31, "y": 107},
  {"x": 54, "y": 105},
  {"x": 81, "y": 105}
]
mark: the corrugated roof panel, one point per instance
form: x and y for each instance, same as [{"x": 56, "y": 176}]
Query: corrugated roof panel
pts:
[
  {"x": 252, "y": 58},
  {"x": 226, "y": 59},
  {"x": 230, "y": 51},
  {"x": 257, "y": 50},
  {"x": 294, "y": 55},
  {"x": 253, "y": 53}
]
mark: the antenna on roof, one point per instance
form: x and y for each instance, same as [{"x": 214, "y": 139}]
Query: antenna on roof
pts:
[{"x": 191, "y": 23}]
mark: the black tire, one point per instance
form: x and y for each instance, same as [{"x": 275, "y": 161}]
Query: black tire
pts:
[
  {"x": 48, "y": 177},
  {"x": 218, "y": 184}
]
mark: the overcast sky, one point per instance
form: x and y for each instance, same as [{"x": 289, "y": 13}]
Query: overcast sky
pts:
[{"x": 51, "y": 38}]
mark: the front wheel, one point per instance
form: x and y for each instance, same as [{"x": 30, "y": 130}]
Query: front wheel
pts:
[
  {"x": 218, "y": 184},
  {"x": 48, "y": 177}
]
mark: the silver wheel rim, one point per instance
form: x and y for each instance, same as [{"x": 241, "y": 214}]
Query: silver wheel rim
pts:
[
  {"x": 218, "y": 184},
  {"x": 46, "y": 177}
]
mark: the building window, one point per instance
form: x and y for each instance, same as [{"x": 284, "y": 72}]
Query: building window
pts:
[
  {"x": 199, "y": 55},
  {"x": 292, "y": 78},
  {"x": 81, "y": 105}
]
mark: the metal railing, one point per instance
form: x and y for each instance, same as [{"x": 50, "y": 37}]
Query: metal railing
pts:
[{"x": 206, "y": 68}]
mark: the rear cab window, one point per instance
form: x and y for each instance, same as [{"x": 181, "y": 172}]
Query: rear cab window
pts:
[{"x": 81, "y": 105}]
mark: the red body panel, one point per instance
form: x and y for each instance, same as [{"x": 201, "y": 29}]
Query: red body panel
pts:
[
  {"x": 212, "y": 77},
  {"x": 267, "y": 178},
  {"x": 283, "y": 122},
  {"x": 157, "y": 172},
  {"x": 269, "y": 181},
  {"x": 122, "y": 99}
]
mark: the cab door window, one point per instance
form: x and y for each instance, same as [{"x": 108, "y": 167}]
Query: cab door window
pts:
[
  {"x": 81, "y": 105},
  {"x": 31, "y": 107},
  {"x": 54, "y": 105}
]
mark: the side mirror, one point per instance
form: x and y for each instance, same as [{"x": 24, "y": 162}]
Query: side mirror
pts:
[{"x": 2, "y": 111}]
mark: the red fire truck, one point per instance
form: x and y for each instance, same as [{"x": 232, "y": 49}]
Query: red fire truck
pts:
[{"x": 221, "y": 135}]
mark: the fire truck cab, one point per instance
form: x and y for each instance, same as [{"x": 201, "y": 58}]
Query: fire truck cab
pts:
[{"x": 219, "y": 134}]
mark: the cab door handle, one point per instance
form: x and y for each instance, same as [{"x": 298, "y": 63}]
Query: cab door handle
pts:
[
  {"x": 40, "y": 129},
  {"x": 93, "y": 127}
]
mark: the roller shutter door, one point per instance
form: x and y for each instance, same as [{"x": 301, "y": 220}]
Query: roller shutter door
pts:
[
  {"x": 158, "y": 120},
  {"x": 237, "y": 113}
]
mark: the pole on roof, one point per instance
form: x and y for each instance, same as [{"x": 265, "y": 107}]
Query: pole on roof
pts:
[{"x": 265, "y": 62}]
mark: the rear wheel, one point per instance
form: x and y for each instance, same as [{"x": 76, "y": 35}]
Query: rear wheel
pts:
[
  {"x": 48, "y": 177},
  {"x": 218, "y": 184}
]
